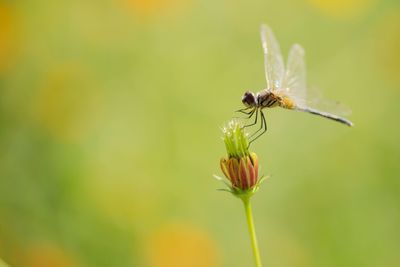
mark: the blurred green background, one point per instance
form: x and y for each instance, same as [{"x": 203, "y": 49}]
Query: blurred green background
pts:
[{"x": 110, "y": 131}]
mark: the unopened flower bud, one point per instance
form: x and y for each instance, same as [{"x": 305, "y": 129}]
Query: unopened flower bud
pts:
[
  {"x": 241, "y": 165},
  {"x": 242, "y": 172}
]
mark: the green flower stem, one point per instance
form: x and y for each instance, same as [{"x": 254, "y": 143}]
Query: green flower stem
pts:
[{"x": 252, "y": 230}]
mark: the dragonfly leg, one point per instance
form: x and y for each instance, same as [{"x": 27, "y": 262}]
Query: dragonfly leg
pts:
[
  {"x": 250, "y": 113},
  {"x": 243, "y": 110},
  {"x": 263, "y": 126},
  {"x": 255, "y": 121}
]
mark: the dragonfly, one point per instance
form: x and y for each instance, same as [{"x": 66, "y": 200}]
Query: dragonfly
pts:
[{"x": 286, "y": 87}]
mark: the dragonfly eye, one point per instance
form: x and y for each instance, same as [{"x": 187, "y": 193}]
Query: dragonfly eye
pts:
[{"x": 249, "y": 99}]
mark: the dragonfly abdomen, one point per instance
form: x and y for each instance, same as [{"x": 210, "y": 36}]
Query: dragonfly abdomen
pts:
[
  {"x": 287, "y": 103},
  {"x": 325, "y": 115}
]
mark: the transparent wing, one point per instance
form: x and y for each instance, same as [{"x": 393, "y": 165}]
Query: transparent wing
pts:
[
  {"x": 274, "y": 66},
  {"x": 317, "y": 100},
  {"x": 294, "y": 82}
]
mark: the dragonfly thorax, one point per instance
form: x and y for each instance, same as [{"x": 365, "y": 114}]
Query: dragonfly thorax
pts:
[
  {"x": 268, "y": 99},
  {"x": 263, "y": 99}
]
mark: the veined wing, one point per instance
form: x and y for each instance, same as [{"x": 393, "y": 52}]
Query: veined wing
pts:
[
  {"x": 294, "y": 82},
  {"x": 317, "y": 100},
  {"x": 273, "y": 61}
]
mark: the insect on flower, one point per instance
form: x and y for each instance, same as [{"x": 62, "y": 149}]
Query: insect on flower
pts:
[{"x": 286, "y": 88}]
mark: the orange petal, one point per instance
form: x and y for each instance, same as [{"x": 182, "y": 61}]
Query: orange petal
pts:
[
  {"x": 254, "y": 160},
  {"x": 223, "y": 164},
  {"x": 251, "y": 173},
  {"x": 244, "y": 174},
  {"x": 233, "y": 171}
]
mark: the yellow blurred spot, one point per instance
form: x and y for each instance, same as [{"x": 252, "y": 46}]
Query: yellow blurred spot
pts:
[
  {"x": 342, "y": 8},
  {"x": 48, "y": 256},
  {"x": 387, "y": 44},
  {"x": 150, "y": 8},
  {"x": 65, "y": 102},
  {"x": 182, "y": 246},
  {"x": 7, "y": 36}
]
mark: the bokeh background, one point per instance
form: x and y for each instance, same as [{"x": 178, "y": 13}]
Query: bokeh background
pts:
[{"x": 110, "y": 131}]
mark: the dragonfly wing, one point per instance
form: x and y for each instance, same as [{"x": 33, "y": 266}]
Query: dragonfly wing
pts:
[
  {"x": 274, "y": 66},
  {"x": 317, "y": 100},
  {"x": 294, "y": 82}
]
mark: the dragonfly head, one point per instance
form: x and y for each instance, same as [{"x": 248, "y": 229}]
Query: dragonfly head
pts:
[{"x": 249, "y": 99}]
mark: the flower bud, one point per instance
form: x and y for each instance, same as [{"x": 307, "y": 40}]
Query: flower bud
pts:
[
  {"x": 241, "y": 165},
  {"x": 243, "y": 172}
]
